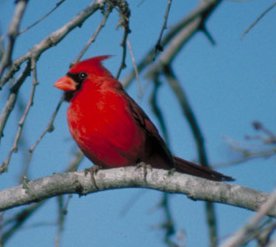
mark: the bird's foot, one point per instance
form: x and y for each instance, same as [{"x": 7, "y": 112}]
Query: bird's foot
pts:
[
  {"x": 93, "y": 171},
  {"x": 143, "y": 165},
  {"x": 171, "y": 171}
]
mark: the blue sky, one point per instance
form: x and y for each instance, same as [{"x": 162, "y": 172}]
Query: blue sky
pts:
[{"x": 229, "y": 85}]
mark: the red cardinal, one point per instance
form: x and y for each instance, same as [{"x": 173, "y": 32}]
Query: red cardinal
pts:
[{"x": 109, "y": 126}]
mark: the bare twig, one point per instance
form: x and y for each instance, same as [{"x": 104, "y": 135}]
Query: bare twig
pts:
[
  {"x": 22, "y": 120},
  {"x": 50, "y": 127},
  {"x": 169, "y": 224},
  {"x": 124, "y": 22},
  {"x": 157, "y": 110},
  {"x": 95, "y": 35},
  {"x": 75, "y": 162},
  {"x": 211, "y": 219},
  {"x": 23, "y": 144},
  {"x": 266, "y": 140},
  {"x": 193, "y": 20},
  {"x": 208, "y": 35},
  {"x": 134, "y": 199},
  {"x": 268, "y": 137},
  {"x": 61, "y": 212},
  {"x": 247, "y": 156},
  {"x": 240, "y": 237},
  {"x": 264, "y": 236},
  {"x": 134, "y": 65},
  {"x": 12, "y": 34},
  {"x": 261, "y": 16},
  {"x": 18, "y": 220},
  {"x": 172, "y": 50},
  {"x": 158, "y": 46},
  {"x": 10, "y": 103},
  {"x": 53, "y": 39},
  {"x": 188, "y": 113},
  {"x": 2, "y": 51},
  {"x": 42, "y": 18}
]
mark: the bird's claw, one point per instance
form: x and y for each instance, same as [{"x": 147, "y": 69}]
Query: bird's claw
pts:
[
  {"x": 144, "y": 165},
  {"x": 171, "y": 171},
  {"x": 93, "y": 171}
]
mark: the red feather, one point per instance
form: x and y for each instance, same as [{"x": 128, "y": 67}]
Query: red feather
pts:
[{"x": 110, "y": 127}]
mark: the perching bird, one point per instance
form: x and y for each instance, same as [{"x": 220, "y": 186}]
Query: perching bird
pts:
[{"x": 110, "y": 127}]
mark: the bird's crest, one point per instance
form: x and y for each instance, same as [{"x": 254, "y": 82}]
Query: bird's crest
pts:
[{"x": 91, "y": 65}]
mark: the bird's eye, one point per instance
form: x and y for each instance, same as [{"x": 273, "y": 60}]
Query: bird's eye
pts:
[{"x": 82, "y": 76}]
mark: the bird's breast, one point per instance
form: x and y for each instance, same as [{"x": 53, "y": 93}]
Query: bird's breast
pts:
[{"x": 105, "y": 129}]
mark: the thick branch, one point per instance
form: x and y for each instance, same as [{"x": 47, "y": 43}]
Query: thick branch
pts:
[{"x": 83, "y": 183}]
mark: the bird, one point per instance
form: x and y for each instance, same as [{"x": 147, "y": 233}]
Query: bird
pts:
[{"x": 111, "y": 129}]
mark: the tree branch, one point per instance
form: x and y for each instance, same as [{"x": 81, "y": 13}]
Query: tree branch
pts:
[
  {"x": 13, "y": 33},
  {"x": 177, "y": 36},
  {"x": 53, "y": 39},
  {"x": 240, "y": 237},
  {"x": 83, "y": 183}
]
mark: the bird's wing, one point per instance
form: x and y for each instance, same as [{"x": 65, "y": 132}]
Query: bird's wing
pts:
[{"x": 157, "y": 154}]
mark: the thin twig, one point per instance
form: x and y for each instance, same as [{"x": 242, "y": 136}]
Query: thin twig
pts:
[
  {"x": 61, "y": 212},
  {"x": 204, "y": 9},
  {"x": 247, "y": 153},
  {"x": 53, "y": 39},
  {"x": 157, "y": 110},
  {"x": 133, "y": 200},
  {"x": 23, "y": 145},
  {"x": 238, "y": 239},
  {"x": 134, "y": 65},
  {"x": 264, "y": 236},
  {"x": 95, "y": 35},
  {"x": 10, "y": 103},
  {"x": 22, "y": 120},
  {"x": 261, "y": 16},
  {"x": 18, "y": 220},
  {"x": 42, "y": 18},
  {"x": 188, "y": 112},
  {"x": 158, "y": 46},
  {"x": 269, "y": 137},
  {"x": 124, "y": 22},
  {"x": 76, "y": 161},
  {"x": 169, "y": 224},
  {"x": 50, "y": 127},
  {"x": 173, "y": 49},
  {"x": 12, "y": 34},
  {"x": 208, "y": 34}
]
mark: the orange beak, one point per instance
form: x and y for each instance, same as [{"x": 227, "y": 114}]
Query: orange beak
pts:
[{"x": 66, "y": 83}]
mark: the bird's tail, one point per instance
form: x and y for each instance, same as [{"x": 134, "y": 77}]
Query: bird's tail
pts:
[{"x": 191, "y": 168}]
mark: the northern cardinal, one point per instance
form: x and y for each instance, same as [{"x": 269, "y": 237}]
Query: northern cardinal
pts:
[{"x": 110, "y": 127}]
